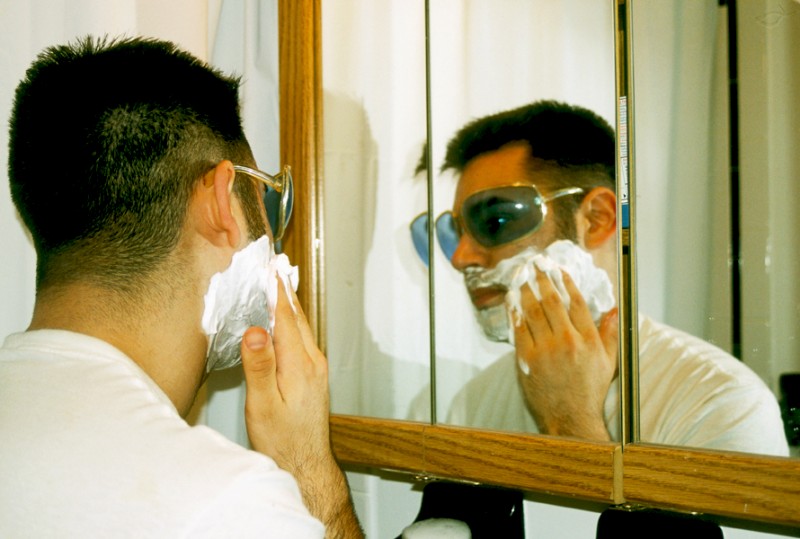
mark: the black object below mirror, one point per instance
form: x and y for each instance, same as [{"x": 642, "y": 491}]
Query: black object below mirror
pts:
[
  {"x": 790, "y": 406},
  {"x": 490, "y": 512},
  {"x": 622, "y": 523}
]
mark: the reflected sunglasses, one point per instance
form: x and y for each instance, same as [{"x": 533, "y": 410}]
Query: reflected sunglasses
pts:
[
  {"x": 278, "y": 197},
  {"x": 493, "y": 217}
]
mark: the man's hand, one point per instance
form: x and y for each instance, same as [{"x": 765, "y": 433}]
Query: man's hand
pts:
[
  {"x": 570, "y": 362},
  {"x": 287, "y": 413}
]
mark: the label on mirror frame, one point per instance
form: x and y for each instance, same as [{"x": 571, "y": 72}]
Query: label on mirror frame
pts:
[{"x": 623, "y": 161}]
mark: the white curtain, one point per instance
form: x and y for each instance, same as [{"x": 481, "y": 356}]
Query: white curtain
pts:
[
  {"x": 683, "y": 174},
  {"x": 237, "y": 36},
  {"x": 681, "y": 139}
]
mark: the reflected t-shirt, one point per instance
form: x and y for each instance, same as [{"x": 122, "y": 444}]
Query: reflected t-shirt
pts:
[{"x": 691, "y": 394}]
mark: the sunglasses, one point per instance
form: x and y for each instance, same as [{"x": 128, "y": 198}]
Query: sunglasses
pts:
[
  {"x": 493, "y": 217},
  {"x": 278, "y": 197}
]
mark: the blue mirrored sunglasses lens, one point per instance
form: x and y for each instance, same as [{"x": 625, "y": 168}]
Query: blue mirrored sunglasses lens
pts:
[
  {"x": 419, "y": 235},
  {"x": 447, "y": 234}
]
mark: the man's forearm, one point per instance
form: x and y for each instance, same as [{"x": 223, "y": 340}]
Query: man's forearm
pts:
[{"x": 327, "y": 496}]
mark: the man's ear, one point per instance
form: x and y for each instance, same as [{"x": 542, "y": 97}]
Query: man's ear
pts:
[
  {"x": 599, "y": 210},
  {"x": 213, "y": 206}
]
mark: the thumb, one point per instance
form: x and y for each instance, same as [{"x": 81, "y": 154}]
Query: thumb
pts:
[
  {"x": 258, "y": 362},
  {"x": 609, "y": 332}
]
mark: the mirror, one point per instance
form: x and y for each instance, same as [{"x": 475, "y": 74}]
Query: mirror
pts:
[
  {"x": 659, "y": 476},
  {"x": 499, "y": 56},
  {"x": 714, "y": 172},
  {"x": 374, "y": 87},
  {"x": 487, "y": 58}
]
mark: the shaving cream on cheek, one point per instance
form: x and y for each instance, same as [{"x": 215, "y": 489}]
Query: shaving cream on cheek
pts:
[
  {"x": 520, "y": 269},
  {"x": 242, "y": 296}
]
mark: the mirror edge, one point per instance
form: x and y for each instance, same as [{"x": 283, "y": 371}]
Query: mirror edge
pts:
[
  {"x": 545, "y": 464},
  {"x": 737, "y": 485},
  {"x": 653, "y": 475},
  {"x": 301, "y": 128}
]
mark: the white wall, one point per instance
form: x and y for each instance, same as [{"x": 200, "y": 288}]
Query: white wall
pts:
[
  {"x": 683, "y": 174},
  {"x": 769, "y": 39}
]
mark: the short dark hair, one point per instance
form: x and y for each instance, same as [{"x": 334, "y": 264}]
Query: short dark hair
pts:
[
  {"x": 573, "y": 143},
  {"x": 107, "y": 140}
]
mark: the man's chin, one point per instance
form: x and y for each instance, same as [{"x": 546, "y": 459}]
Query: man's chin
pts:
[{"x": 494, "y": 323}]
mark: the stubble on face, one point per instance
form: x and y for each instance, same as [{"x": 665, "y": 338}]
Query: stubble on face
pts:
[{"x": 252, "y": 209}]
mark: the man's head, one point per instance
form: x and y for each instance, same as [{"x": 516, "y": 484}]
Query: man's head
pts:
[
  {"x": 108, "y": 140},
  {"x": 528, "y": 177}
]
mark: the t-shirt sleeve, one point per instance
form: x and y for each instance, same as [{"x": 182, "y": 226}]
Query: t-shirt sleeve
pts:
[{"x": 736, "y": 417}]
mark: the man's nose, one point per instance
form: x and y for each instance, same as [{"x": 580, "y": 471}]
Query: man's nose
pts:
[{"x": 469, "y": 253}]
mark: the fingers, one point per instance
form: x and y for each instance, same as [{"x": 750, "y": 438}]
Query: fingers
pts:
[
  {"x": 523, "y": 335},
  {"x": 578, "y": 310},
  {"x": 305, "y": 329},
  {"x": 258, "y": 362},
  {"x": 293, "y": 336},
  {"x": 547, "y": 314},
  {"x": 609, "y": 332},
  {"x": 534, "y": 318},
  {"x": 287, "y": 333}
]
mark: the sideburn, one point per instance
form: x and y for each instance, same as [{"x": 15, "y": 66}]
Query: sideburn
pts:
[
  {"x": 564, "y": 213},
  {"x": 249, "y": 197}
]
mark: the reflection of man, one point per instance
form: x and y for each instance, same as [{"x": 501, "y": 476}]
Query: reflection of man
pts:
[
  {"x": 542, "y": 173},
  {"x": 129, "y": 166}
]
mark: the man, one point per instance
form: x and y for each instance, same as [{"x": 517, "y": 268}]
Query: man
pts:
[
  {"x": 560, "y": 379},
  {"x": 130, "y": 168}
]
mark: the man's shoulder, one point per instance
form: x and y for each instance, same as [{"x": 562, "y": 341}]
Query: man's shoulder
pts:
[
  {"x": 663, "y": 348},
  {"x": 693, "y": 393}
]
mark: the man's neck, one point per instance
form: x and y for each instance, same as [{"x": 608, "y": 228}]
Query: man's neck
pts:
[{"x": 160, "y": 333}]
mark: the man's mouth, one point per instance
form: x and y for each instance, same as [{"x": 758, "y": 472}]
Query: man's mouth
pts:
[{"x": 488, "y": 296}]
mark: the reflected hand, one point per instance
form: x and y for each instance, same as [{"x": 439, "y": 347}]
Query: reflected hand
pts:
[{"x": 570, "y": 363}]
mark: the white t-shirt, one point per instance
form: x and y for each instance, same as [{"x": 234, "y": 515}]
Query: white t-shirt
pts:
[
  {"x": 691, "y": 394},
  {"x": 91, "y": 447}
]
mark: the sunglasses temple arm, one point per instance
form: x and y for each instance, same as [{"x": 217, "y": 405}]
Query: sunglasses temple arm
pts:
[{"x": 563, "y": 193}]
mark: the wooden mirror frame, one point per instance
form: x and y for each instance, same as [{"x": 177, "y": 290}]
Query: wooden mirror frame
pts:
[{"x": 735, "y": 485}]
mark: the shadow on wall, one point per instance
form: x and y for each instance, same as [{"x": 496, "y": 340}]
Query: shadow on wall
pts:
[{"x": 367, "y": 376}]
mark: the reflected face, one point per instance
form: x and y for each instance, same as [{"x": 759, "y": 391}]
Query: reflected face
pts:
[{"x": 503, "y": 167}]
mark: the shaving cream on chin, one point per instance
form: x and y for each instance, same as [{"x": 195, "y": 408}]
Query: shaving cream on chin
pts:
[
  {"x": 516, "y": 271},
  {"x": 244, "y": 295},
  {"x": 494, "y": 323}
]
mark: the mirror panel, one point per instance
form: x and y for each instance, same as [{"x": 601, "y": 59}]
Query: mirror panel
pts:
[
  {"x": 489, "y": 57},
  {"x": 769, "y": 116},
  {"x": 698, "y": 481},
  {"x": 715, "y": 255},
  {"x": 374, "y": 89}
]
